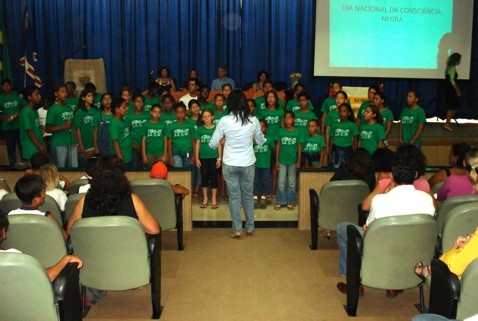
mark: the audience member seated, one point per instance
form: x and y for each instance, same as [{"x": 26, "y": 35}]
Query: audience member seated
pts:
[
  {"x": 30, "y": 190},
  {"x": 262, "y": 77},
  {"x": 110, "y": 194},
  {"x": 193, "y": 74},
  {"x": 165, "y": 80},
  {"x": 401, "y": 199},
  {"x": 50, "y": 175},
  {"x": 193, "y": 93},
  {"x": 457, "y": 184},
  {"x": 52, "y": 271},
  {"x": 40, "y": 159},
  {"x": 456, "y": 258},
  {"x": 160, "y": 171},
  {"x": 221, "y": 79},
  {"x": 382, "y": 160},
  {"x": 456, "y": 160},
  {"x": 357, "y": 166}
]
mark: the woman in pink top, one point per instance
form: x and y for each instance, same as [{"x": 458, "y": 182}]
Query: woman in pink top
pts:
[{"x": 457, "y": 185}]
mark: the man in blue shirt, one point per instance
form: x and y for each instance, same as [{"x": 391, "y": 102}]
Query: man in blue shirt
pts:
[{"x": 222, "y": 79}]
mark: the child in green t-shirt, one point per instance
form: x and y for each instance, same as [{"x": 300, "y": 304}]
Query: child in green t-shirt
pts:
[
  {"x": 412, "y": 121},
  {"x": 262, "y": 178},
  {"x": 154, "y": 141},
  {"x": 105, "y": 115},
  {"x": 342, "y": 139},
  {"x": 379, "y": 100},
  {"x": 168, "y": 115},
  {"x": 288, "y": 158},
  {"x": 194, "y": 118},
  {"x": 136, "y": 121},
  {"x": 252, "y": 106},
  {"x": 85, "y": 120},
  {"x": 303, "y": 114},
  {"x": 219, "y": 111},
  {"x": 313, "y": 155},
  {"x": 10, "y": 106},
  {"x": 118, "y": 130},
  {"x": 180, "y": 139},
  {"x": 31, "y": 132},
  {"x": 59, "y": 122},
  {"x": 208, "y": 160},
  {"x": 371, "y": 133}
]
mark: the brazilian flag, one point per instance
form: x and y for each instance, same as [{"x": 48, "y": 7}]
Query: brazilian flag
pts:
[{"x": 5, "y": 68}]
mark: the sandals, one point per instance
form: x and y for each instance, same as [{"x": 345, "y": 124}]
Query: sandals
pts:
[
  {"x": 422, "y": 271},
  {"x": 290, "y": 207},
  {"x": 204, "y": 205},
  {"x": 327, "y": 235},
  {"x": 214, "y": 206},
  {"x": 277, "y": 207}
]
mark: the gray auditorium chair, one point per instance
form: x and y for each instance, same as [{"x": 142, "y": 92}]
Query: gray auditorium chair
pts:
[
  {"x": 448, "y": 204},
  {"x": 384, "y": 258},
  {"x": 76, "y": 184},
  {"x": 11, "y": 202},
  {"x": 27, "y": 294},
  {"x": 70, "y": 204},
  {"x": 108, "y": 242},
  {"x": 461, "y": 220},
  {"x": 337, "y": 203},
  {"x": 37, "y": 236},
  {"x": 166, "y": 207}
]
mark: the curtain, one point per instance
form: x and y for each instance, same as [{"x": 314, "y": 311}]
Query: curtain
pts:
[{"x": 136, "y": 37}]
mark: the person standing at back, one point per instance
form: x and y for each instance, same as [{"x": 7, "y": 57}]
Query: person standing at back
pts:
[{"x": 236, "y": 132}]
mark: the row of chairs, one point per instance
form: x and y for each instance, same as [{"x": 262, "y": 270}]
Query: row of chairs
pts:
[
  {"x": 381, "y": 261},
  {"x": 117, "y": 254}
]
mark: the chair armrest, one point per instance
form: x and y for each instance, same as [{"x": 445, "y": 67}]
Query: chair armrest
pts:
[
  {"x": 178, "y": 200},
  {"x": 445, "y": 290},
  {"x": 152, "y": 240},
  {"x": 354, "y": 266},
  {"x": 154, "y": 247},
  {"x": 67, "y": 293},
  {"x": 69, "y": 245}
]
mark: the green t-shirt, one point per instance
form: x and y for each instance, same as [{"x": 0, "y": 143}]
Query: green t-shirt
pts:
[
  {"x": 312, "y": 147},
  {"x": 261, "y": 104},
  {"x": 155, "y": 134},
  {"x": 218, "y": 116},
  {"x": 9, "y": 105},
  {"x": 149, "y": 102},
  {"x": 204, "y": 136},
  {"x": 410, "y": 119},
  {"x": 181, "y": 137},
  {"x": 387, "y": 115},
  {"x": 342, "y": 133},
  {"x": 263, "y": 153},
  {"x": 97, "y": 100},
  {"x": 289, "y": 141},
  {"x": 168, "y": 118},
  {"x": 119, "y": 130},
  {"x": 328, "y": 105},
  {"x": 370, "y": 135},
  {"x": 301, "y": 120},
  {"x": 72, "y": 102},
  {"x": 136, "y": 122},
  {"x": 58, "y": 115},
  {"x": 193, "y": 122},
  {"x": 86, "y": 121},
  {"x": 293, "y": 105},
  {"x": 273, "y": 118},
  {"x": 332, "y": 117},
  {"x": 29, "y": 120},
  {"x": 209, "y": 105}
]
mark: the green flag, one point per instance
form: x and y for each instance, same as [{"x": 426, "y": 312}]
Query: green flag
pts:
[{"x": 5, "y": 68}]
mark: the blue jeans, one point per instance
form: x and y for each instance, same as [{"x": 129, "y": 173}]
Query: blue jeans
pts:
[
  {"x": 340, "y": 154},
  {"x": 342, "y": 244},
  {"x": 286, "y": 193},
  {"x": 65, "y": 156},
  {"x": 262, "y": 181},
  {"x": 12, "y": 139},
  {"x": 183, "y": 160},
  {"x": 240, "y": 183}
]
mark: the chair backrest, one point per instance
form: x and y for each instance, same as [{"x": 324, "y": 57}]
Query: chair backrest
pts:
[
  {"x": 393, "y": 245},
  {"x": 70, "y": 204},
  {"x": 468, "y": 306},
  {"x": 449, "y": 204},
  {"x": 338, "y": 202},
  {"x": 461, "y": 220},
  {"x": 444, "y": 290},
  {"x": 114, "y": 252},
  {"x": 158, "y": 196},
  {"x": 37, "y": 236},
  {"x": 26, "y": 292},
  {"x": 11, "y": 202},
  {"x": 76, "y": 184},
  {"x": 437, "y": 187}
]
